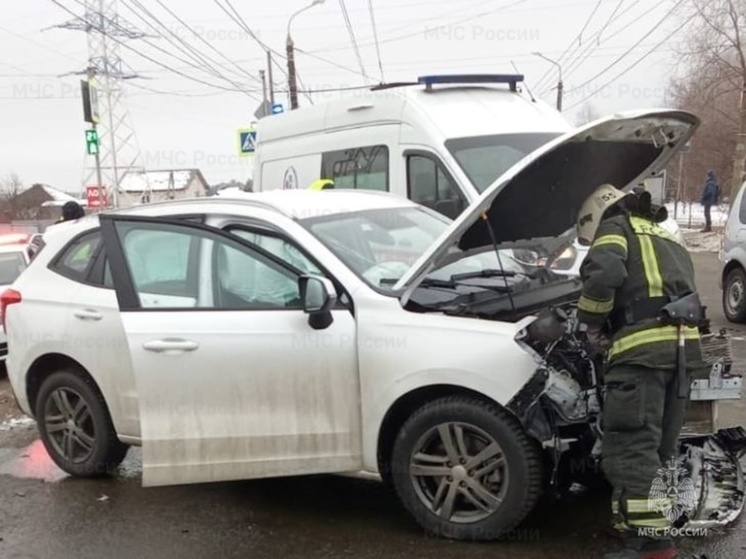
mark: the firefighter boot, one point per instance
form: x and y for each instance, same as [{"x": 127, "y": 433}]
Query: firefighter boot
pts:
[{"x": 645, "y": 549}]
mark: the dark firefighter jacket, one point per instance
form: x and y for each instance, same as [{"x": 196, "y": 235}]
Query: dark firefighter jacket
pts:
[{"x": 633, "y": 258}]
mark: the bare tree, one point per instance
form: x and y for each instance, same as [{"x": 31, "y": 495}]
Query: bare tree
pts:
[
  {"x": 716, "y": 59},
  {"x": 10, "y": 186}
]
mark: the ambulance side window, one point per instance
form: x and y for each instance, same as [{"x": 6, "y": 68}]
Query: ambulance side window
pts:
[
  {"x": 366, "y": 168},
  {"x": 429, "y": 185}
]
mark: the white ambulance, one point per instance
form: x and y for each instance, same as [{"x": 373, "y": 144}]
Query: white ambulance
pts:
[{"x": 439, "y": 141}]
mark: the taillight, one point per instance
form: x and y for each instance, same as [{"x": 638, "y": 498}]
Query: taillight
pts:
[{"x": 8, "y": 297}]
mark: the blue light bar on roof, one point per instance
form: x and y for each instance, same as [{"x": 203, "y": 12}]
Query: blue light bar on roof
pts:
[{"x": 511, "y": 79}]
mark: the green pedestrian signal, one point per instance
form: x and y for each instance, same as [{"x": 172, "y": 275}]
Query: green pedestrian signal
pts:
[{"x": 91, "y": 141}]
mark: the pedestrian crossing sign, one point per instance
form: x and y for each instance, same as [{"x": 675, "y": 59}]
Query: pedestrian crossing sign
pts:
[{"x": 246, "y": 141}]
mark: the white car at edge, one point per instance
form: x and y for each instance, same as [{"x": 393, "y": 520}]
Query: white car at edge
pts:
[{"x": 298, "y": 332}]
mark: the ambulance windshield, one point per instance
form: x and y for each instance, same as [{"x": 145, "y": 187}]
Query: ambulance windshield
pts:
[{"x": 485, "y": 158}]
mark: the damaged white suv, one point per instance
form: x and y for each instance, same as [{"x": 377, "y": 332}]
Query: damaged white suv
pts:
[{"x": 298, "y": 332}]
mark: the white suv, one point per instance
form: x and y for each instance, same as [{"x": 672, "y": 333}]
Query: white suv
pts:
[{"x": 299, "y": 332}]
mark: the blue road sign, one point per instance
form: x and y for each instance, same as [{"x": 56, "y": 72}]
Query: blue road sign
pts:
[
  {"x": 246, "y": 141},
  {"x": 277, "y": 108}
]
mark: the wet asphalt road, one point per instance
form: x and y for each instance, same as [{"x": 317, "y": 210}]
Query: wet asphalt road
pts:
[{"x": 44, "y": 514}]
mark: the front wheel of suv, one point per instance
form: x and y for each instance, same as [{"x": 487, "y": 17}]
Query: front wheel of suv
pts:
[
  {"x": 465, "y": 469},
  {"x": 75, "y": 426},
  {"x": 734, "y": 295}
]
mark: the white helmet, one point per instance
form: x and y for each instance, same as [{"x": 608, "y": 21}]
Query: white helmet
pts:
[{"x": 593, "y": 210}]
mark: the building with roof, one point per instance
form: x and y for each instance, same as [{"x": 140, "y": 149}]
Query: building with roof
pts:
[
  {"x": 142, "y": 187},
  {"x": 40, "y": 201}
]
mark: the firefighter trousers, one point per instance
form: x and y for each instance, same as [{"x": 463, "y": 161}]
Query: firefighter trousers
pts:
[{"x": 642, "y": 420}]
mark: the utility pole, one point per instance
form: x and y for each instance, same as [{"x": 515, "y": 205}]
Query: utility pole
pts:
[
  {"x": 269, "y": 75},
  {"x": 264, "y": 87},
  {"x": 292, "y": 83},
  {"x": 289, "y": 51},
  {"x": 105, "y": 30}
]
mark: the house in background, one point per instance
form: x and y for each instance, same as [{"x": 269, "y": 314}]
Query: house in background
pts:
[
  {"x": 143, "y": 187},
  {"x": 38, "y": 202}
]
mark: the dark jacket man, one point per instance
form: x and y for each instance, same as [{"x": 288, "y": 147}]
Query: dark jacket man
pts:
[
  {"x": 710, "y": 197},
  {"x": 633, "y": 269}
]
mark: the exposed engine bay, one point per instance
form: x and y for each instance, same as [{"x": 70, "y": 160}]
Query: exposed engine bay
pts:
[{"x": 562, "y": 405}]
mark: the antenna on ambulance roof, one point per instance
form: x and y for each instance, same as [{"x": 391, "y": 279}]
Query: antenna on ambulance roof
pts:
[{"x": 533, "y": 99}]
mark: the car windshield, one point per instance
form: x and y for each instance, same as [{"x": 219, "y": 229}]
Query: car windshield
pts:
[
  {"x": 381, "y": 245},
  {"x": 485, "y": 158},
  {"x": 11, "y": 266}
]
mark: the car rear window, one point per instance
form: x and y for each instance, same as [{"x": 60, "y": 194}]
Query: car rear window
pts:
[
  {"x": 11, "y": 266},
  {"x": 76, "y": 258}
]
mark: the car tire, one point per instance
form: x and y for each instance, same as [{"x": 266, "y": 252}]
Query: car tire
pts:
[
  {"x": 75, "y": 426},
  {"x": 734, "y": 295},
  {"x": 502, "y": 488}
]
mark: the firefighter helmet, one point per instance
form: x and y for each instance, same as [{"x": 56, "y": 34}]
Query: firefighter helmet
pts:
[{"x": 593, "y": 210}]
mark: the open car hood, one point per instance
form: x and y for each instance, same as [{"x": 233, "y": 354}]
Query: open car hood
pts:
[{"x": 540, "y": 196}]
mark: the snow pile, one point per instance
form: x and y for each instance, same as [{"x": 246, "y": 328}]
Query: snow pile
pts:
[
  {"x": 14, "y": 422},
  {"x": 158, "y": 180},
  {"x": 697, "y": 241}
]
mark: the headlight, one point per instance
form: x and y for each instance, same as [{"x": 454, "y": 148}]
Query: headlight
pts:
[{"x": 566, "y": 260}]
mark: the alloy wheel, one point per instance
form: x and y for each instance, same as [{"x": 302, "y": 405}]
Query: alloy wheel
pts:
[
  {"x": 459, "y": 472},
  {"x": 69, "y": 425},
  {"x": 735, "y": 295}
]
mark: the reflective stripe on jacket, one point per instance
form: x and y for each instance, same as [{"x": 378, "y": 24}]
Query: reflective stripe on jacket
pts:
[{"x": 631, "y": 259}]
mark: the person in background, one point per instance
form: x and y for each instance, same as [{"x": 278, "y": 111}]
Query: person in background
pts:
[
  {"x": 70, "y": 211},
  {"x": 710, "y": 197}
]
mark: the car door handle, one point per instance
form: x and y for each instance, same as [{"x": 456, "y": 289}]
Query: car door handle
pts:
[
  {"x": 170, "y": 345},
  {"x": 87, "y": 314}
]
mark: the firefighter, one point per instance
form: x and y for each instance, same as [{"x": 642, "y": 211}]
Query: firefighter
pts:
[
  {"x": 321, "y": 184},
  {"x": 633, "y": 276}
]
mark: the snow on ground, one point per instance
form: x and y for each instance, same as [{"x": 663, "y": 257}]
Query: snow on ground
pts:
[
  {"x": 697, "y": 241},
  {"x": 691, "y": 220},
  {"x": 692, "y": 216},
  {"x": 14, "y": 422},
  {"x": 158, "y": 180}
]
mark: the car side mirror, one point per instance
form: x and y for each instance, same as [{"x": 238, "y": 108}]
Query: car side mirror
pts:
[{"x": 319, "y": 297}]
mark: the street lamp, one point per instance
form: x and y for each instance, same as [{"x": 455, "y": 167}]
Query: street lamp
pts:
[
  {"x": 292, "y": 84},
  {"x": 559, "y": 81}
]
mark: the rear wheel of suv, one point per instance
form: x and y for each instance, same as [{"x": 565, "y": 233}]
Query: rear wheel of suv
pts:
[
  {"x": 465, "y": 469},
  {"x": 734, "y": 295},
  {"x": 75, "y": 426}
]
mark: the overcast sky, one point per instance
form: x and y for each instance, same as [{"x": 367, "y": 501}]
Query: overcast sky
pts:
[{"x": 190, "y": 124}]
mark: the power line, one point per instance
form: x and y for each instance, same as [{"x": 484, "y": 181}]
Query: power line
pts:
[
  {"x": 408, "y": 35},
  {"x": 590, "y": 48},
  {"x": 202, "y": 62},
  {"x": 200, "y": 38},
  {"x": 350, "y": 31},
  {"x": 628, "y": 51},
  {"x": 178, "y": 93},
  {"x": 145, "y": 56},
  {"x": 636, "y": 63},
  {"x": 375, "y": 36},
  {"x": 570, "y": 51}
]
